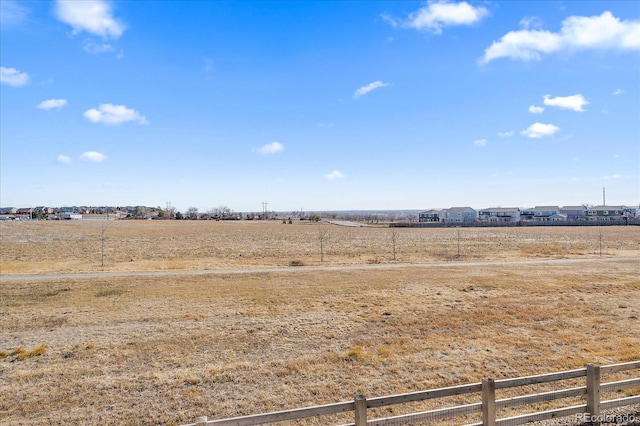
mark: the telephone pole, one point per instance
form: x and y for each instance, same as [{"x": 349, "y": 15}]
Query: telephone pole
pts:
[{"x": 264, "y": 210}]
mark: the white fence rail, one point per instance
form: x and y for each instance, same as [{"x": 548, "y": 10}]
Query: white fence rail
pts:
[{"x": 488, "y": 406}]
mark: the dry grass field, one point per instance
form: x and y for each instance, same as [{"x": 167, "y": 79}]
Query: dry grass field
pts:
[
  {"x": 77, "y": 246},
  {"x": 165, "y": 350}
]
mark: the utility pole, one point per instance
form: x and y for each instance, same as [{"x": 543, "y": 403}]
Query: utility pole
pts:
[
  {"x": 264, "y": 210},
  {"x": 603, "y": 197}
]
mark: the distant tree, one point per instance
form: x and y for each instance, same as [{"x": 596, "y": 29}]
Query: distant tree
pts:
[
  {"x": 103, "y": 237},
  {"x": 322, "y": 233},
  {"x": 192, "y": 213},
  {"x": 220, "y": 212},
  {"x": 141, "y": 212},
  {"x": 179, "y": 216},
  {"x": 394, "y": 240}
]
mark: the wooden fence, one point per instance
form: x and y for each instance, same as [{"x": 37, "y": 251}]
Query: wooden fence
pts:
[{"x": 488, "y": 405}]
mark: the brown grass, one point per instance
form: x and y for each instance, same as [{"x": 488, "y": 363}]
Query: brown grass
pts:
[
  {"x": 75, "y": 246},
  {"x": 149, "y": 350}
]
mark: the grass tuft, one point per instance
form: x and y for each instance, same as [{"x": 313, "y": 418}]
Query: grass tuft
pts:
[
  {"x": 20, "y": 354},
  {"x": 109, "y": 293}
]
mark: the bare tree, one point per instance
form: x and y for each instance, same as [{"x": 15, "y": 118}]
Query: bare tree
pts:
[
  {"x": 192, "y": 213},
  {"x": 220, "y": 212},
  {"x": 322, "y": 234},
  {"x": 394, "y": 240},
  {"x": 103, "y": 237}
]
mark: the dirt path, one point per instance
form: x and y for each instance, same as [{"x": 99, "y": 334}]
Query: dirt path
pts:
[{"x": 308, "y": 268}]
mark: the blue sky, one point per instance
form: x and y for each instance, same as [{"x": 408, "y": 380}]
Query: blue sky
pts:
[{"x": 331, "y": 105}]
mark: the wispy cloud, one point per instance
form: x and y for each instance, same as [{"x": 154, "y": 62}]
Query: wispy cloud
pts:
[
  {"x": 536, "y": 109},
  {"x": 618, "y": 92},
  {"x": 209, "y": 64},
  {"x": 52, "y": 103},
  {"x": 480, "y": 142},
  {"x": 617, "y": 176},
  {"x": 13, "y": 13},
  {"x": 13, "y": 77},
  {"x": 63, "y": 159},
  {"x": 369, "y": 88},
  {"x": 91, "y": 16},
  {"x": 270, "y": 148},
  {"x": 95, "y": 48},
  {"x": 574, "y": 102},
  {"x": 439, "y": 14},
  {"x": 93, "y": 156},
  {"x": 538, "y": 130},
  {"x": 507, "y": 133},
  {"x": 577, "y": 33},
  {"x": 334, "y": 175},
  {"x": 113, "y": 114},
  {"x": 531, "y": 22}
]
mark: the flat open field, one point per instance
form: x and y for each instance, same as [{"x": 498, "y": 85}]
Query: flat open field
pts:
[
  {"x": 165, "y": 350},
  {"x": 77, "y": 246}
]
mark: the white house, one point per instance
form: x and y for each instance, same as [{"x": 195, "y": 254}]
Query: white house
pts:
[
  {"x": 458, "y": 215},
  {"x": 574, "y": 212},
  {"x": 500, "y": 214}
]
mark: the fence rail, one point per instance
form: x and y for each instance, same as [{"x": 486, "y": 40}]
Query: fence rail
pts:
[{"x": 488, "y": 406}]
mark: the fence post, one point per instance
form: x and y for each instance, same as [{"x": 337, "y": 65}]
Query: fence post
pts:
[
  {"x": 488, "y": 402},
  {"x": 202, "y": 421},
  {"x": 593, "y": 389},
  {"x": 360, "y": 405}
]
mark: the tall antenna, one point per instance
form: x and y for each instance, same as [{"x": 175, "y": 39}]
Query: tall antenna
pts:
[
  {"x": 603, "y": 197},
  {"x": 264, "y": 210}
]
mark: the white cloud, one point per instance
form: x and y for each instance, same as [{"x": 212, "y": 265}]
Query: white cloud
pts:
[
  {"x": 507, "y": 133},
  {"x": 536, "y": 109},
  {"x": 63, "y": 159},
  {"x": 369, "y": 88},
  {"x": 93, "y": 156},
  {"x": 271, "y": 148},
  {"x": 538, "y": 130},
  {"x": 52, "y": 103},
  {"x": 577, "y": 33},
  {"x": 113, "y": 114},
  {"x": 92, "y": 16},
  {"x": 437, "y": 15},
  {"x": 618, "y": 92},
  {"x": 480, "y": 142},
  {"x": 334, "y": 175},
  {"x": 574, "y": 102},
  {"x": 13, "y": 77}
]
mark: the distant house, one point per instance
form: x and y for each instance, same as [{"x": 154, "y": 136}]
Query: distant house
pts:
[
  {"x": 70, "y": 216},
  {"x": 458, "y": 215},
  {"x": 500, "y": 214},
  {"x": 604, "y": 213},
  {"x": 574, "y": 212},
  {"x": 429, "y": 216},
  {"x": 8, "y": 210},
  {"x": 557, "y": 218},
  {"x": 43, "y": 210},
  {"x": 631, "y": 212},
  {"x": 539, "y": 213},
  {"x": 25, "y": 211}
]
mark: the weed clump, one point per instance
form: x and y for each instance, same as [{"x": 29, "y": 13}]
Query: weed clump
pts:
[
  {"x": 20, "y": 354},
  {"x": 296, "y": 262}
]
